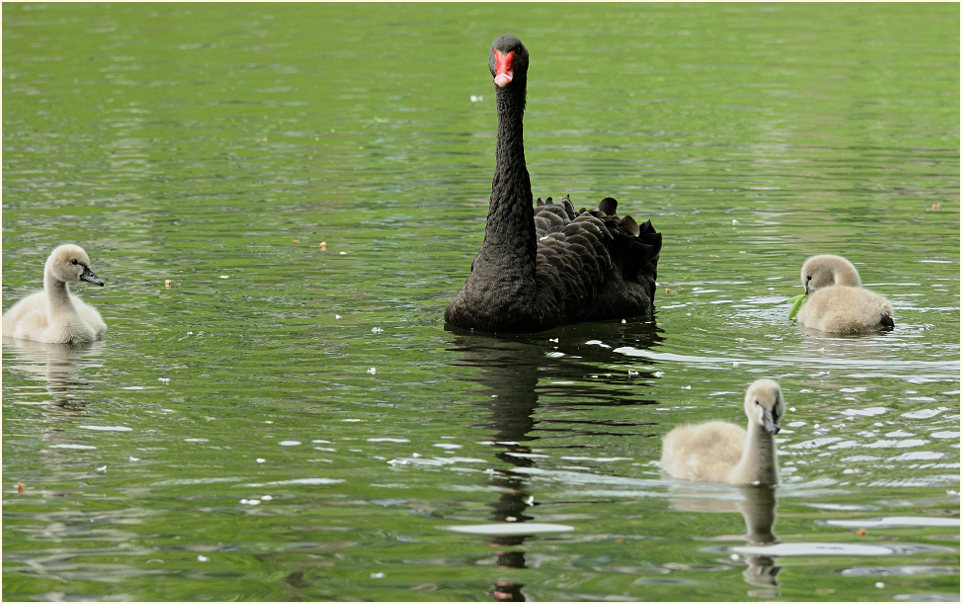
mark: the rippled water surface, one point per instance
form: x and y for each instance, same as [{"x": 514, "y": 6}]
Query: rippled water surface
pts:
[{"x": 289, "y": 419}]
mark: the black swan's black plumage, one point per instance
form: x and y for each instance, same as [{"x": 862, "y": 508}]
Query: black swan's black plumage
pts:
[{"x": 546, "y": 266}]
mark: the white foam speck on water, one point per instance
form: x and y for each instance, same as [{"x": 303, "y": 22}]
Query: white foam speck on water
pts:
[
  {"x": 946, "y": 435},
  {"x": 107, "y": 428},
  {"x": 883, "y": 443},
  {"x": 289, "y": 443},
  {"x": 867, "y": 412},
  {"x": 815, "y": 443},
  {"x": 70, "y": 446},
  {"x": 891, "y": 522},
  {"x": 307, "y": 481},
  {"x": 919, "y": 456},
  {"x": 831, "y": 549},
  {"x": 417, "y": 460},
  {"x": 513, "y": 528},
  {"x": 845, "y": 444},
  {"x": 923, "y": 413},
  {"x": 911, "y": 442}
]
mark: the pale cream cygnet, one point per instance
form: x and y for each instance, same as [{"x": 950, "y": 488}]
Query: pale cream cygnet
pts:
[
  {"x": 718, "y": 451},
  {"x": 54, "y": 315},
  {"x": 838, "y": 302}
]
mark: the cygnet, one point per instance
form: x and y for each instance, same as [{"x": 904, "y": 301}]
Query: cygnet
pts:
[
  {"x": 721, "y": 452},
  {"x": 54, "y": 315},
  {"x": 838, "y": 303}
]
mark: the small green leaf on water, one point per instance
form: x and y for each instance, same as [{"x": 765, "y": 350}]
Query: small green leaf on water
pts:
[{"x": 797, "y": 302}]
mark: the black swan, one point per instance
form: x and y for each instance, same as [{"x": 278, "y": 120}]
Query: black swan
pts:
[{"x": 547, "y": 266}]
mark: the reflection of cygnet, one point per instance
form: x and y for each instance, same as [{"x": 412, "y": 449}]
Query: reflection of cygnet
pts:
[
  {"x": 55, "y": 315},
  {"x": 838, "y": 302},
  {"x": 721, "y": 452},
  {"x": 758, "y": 510}
]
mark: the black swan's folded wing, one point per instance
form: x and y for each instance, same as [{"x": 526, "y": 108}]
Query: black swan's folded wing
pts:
[
  {"x": 550, "y": 217},
  {"x": 597, "y": 265}
]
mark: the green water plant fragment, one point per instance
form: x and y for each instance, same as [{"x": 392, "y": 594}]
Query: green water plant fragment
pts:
[{"x": 796, "y": 302}]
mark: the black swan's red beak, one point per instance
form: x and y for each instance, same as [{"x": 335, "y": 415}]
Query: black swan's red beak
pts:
[{"x": 504, "y": 68}]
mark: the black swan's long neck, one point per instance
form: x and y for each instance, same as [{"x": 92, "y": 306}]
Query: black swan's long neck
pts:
[{"x": 509, "y": 235}]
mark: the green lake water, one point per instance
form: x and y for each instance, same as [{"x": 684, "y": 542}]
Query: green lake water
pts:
[{"x": 290, "y": 420}]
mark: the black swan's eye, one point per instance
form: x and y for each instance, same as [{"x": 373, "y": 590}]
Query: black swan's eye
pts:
[{"x": 74, "y": 261}]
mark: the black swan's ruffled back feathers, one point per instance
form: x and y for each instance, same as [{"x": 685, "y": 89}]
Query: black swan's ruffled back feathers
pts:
[
  {"x": 549, "y": 217},
  {"x": 594, "y": 265}
]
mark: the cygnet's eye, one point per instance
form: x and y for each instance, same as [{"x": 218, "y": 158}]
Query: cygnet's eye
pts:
[
  {"x": 74, "y": 261},
  {"x": 808, "y": 278},
  {"x": 756, "y": 402}
]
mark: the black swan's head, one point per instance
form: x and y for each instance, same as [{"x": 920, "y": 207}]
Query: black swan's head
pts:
[{"x": 508, "y": 62}]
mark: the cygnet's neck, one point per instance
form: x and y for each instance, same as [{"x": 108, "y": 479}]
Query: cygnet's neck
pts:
[
  {"x": 846, "y": 275},
  {"x": 58, "y": 296},
  {"x": 758, "y": 458}
]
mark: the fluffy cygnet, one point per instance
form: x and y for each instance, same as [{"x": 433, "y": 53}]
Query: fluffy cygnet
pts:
[
  {"x": 722, "y": 452},
  {"x": 838, "y": 302},
  {"x": 54, "y": 315}
]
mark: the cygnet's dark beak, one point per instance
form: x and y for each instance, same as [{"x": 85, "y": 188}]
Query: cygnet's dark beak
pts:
[
  {"x": 88, "y": 275},
  {"x": 768, "y": 420},
  {"x": 808, "y": 290}
]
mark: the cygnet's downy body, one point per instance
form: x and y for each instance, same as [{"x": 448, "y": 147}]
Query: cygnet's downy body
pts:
[
  {"x": 721, "y": 452},
  {"x": 838, "y": 303},
  {"x": 54, "y": 315}
]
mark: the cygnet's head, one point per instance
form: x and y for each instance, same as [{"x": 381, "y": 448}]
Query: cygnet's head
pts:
[
  {"x": 825, "y": 270},
  {"x": 70, "y": 263},
  {"x": 764, "y": 405}
]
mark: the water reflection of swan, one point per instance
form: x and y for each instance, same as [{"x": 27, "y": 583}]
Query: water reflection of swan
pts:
[
  {"x": 509, "y": 371},
  {"x": 757, "y": 506},
  {"x": 59, "y": 366},
  {"x": 758, "y": 510}
]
